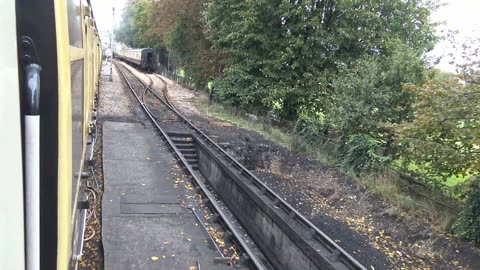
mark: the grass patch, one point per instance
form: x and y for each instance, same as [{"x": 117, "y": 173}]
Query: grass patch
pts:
[
  {"x": 455, "y": 180},
  {"x": 451, "y": 181},
  {"x": 384, "y": 185}
]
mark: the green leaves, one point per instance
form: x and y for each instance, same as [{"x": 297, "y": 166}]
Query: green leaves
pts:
[
  {"x": 293, "y": 49},
  {"x": 369, "y": 97},
  {"x": 445, "y": 133},
  {"x": 178, "y": 38},
  {"x": 135, "y": 29},
  {"x": 346, "y": 60},
  {"x": 360, "y": 153},
  {"x": 468, "y": 226}
]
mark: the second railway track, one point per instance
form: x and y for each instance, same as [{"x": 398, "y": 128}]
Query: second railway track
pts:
[{"x": 283, "y": 238}]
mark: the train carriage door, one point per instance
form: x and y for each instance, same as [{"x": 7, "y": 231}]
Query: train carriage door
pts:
[
  {"x": 149, "y": 66},
  {"x": 150, "y": 58},
  {"x": 12, "y": 226},
  {"x": 37, "y": 20}
]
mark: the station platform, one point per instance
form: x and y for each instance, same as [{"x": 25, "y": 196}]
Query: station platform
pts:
[{"x": 146, "y": 224}]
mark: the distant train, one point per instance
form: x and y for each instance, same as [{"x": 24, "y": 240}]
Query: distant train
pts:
[{"x": 145, "y": 59}]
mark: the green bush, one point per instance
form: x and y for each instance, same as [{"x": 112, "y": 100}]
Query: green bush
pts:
[
  {"x": 313, "y": 130},
  {"x": 369, "y": 93},
  {"x": 360, "y": 153},
  {"x": 468, "y": 225}
]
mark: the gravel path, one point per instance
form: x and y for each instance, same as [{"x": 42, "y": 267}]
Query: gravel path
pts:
[
  {"x": 183, "y": 98},
  {"x": 115, "y": 102}
]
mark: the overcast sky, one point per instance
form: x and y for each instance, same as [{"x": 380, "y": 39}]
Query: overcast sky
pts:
[
  {"x": 102, "y": 10},
  {"x": 461, "y": 15}
]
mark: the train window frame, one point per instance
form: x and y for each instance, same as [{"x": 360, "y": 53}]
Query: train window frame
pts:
[
  {"x": 77, "y": 93},
  {"x": 75, "y": 23},
  {"x": 77, "y": 82}
]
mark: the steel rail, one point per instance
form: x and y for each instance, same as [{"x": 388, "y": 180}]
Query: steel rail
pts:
[
  {"x": 335, "y": 252},
  {"x": 249, "y": 254},
  {"x": 327, "y": 242}
]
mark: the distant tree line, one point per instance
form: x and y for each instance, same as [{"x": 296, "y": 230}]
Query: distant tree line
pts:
[{"x": 351, "y": 72}]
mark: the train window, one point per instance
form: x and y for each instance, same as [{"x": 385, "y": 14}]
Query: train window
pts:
[
  {"x": 149, "y": 58},
  {"x": 77, "y": 87},
  {"x": 75, "y": 23}
]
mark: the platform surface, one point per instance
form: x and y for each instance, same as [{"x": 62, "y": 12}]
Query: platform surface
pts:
[{"x": 145, "y": 222}]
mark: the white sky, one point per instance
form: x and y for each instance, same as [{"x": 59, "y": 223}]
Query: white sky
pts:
[
  {"x": 461, "y": 15},
  {"x": 102, "y": 10}
]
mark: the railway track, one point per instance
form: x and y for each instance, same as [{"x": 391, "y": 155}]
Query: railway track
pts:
[
  {"x": 238, "y": 249},
  {"x": 286, "y": 239}
]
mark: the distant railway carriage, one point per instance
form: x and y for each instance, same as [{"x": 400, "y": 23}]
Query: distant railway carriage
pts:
[{"x": 145, "y": 58}]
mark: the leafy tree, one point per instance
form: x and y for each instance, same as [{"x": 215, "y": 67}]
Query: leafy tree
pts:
[
  {"x": 369, "y": 95},
  {"x": 444, "y": 137},
  {"x": 125, "y": 32},
  {"x": 283, "y": 54},
  {"x": 178, "y": 39},
  {"x": 135, "y": 29},
  {"x": 173, "y": 24},
  {"x": 245, "y": 32}
]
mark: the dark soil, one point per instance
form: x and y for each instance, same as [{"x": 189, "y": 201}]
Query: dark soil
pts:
[
  {"x": 376, "y": 234},
  {"x": 92, "y": 258}
]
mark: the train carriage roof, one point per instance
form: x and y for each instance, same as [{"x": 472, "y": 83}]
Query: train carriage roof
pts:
[{"x": 136, "y": 50}]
